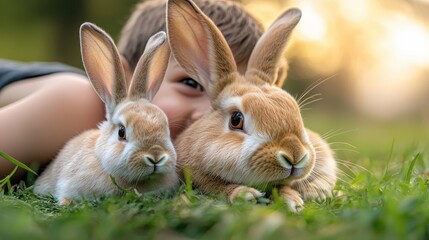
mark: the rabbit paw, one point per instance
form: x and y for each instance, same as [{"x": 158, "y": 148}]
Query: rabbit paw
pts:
[
  {"x": 318, "y": 196},
  {"x": 317, "y": 192},
  {"x": 246, "y": 193},
  {"x": 64, "y": 202},
  {"x": 293, "y": 199}
]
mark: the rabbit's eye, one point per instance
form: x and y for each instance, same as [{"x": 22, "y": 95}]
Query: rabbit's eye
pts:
[
  {"x": 121, "y": 133},
  {"x": 237, "y": 120}
]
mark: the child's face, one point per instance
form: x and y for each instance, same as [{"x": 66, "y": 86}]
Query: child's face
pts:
[{"x": 182, "y": 98}]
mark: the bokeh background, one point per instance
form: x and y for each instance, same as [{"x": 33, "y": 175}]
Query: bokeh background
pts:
[{"x": 371, "y": 59}]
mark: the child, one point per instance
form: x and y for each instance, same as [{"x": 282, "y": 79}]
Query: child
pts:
[
  {"x": 183, "y": 99},
  {"x": 39, "y": 114}
]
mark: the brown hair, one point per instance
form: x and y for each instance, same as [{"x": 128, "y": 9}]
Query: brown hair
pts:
[{"x": 240, "y": 29}]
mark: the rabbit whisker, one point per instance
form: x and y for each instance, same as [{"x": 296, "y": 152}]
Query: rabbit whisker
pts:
[
  {"x": 313, "y": 86},
  {"x": 344, "y": 143},
  {"x": 308, "y": 102},
  {"x": 352, "y": 164},
  {"x": 335, "y": 133}
]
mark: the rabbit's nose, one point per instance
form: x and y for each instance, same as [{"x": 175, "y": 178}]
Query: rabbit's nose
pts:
[
  {"x": 302, "y": 162},
  {"x": 158, "y": 161},
  {"x": 284, "y": 160},
  {"x": 289, "y": 162}
]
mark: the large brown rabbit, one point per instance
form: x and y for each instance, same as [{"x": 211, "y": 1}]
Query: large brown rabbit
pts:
[
  {"x": 133, "y": 145},
  {"x": 254, "y": 138}
]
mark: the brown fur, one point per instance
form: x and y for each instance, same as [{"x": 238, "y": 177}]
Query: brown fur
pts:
[{"x": 273, "y": 149}]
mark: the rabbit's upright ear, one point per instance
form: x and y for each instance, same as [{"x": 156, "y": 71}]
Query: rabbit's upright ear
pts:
[
  {"x": 199, "y": 46},
  {"x": 266, "y": 57},
  {"x": 282, "y": 68},
  {"x": 102, "y": 64},
  {"x": 150, "y": 69}
]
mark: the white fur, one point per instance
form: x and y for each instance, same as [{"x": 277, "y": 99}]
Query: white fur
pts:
[
  {"x": 238, "y": 155},
  {"x": 250, "y": 144},
  {"x": 305, "y": 137},
  {"x": 232, "y": 102}
]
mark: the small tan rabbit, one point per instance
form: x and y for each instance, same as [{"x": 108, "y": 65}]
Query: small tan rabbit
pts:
[
  {"x": 133, "y": 145},
  {"x": 254, "y": 138}
]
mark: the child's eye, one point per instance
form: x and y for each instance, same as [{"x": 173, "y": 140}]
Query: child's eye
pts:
[{"x": 193, "y": 84}]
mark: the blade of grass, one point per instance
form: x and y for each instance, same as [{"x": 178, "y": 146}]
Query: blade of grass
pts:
[
  {"x": 3, "y": 182},
  {"x": 16, "y": 162},
  {"x": 411, "y": 167},
  {"x": 188, "y": 185},
  {"x": 9, "y": 187},
  {"x": 277, "y": 202},
  {"x": 388, "y": 160},
  {"x": 6, "y": 181},
  {"x": 188, "y": 181},
  {"x": 112, "y": 178}
]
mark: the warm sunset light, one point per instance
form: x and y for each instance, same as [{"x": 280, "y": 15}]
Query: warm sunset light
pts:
[
  {"x": 380, "y": 49},
  {"x": 177, "y": 146},
  {"x": 313, "y": 25}
]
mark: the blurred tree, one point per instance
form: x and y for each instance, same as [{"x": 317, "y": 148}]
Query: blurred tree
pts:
[
  {"x": 67, "y": 16},
  {"x": 48, "y": 30}
]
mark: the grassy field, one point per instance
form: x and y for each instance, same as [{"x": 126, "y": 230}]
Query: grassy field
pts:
[{"x": 384, "y": 195}]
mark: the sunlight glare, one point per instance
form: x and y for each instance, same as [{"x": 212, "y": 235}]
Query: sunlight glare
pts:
[
  {"x": 355, "y": 11},
  {"x": 408, "y": 40},
  {"x": 313, "y": 25},
  {"x": 265, "y": 12},
  {"x": 380, "y": 48}
]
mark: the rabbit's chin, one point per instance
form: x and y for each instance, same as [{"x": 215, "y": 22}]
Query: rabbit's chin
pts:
[
  {"x": 143, "y": 174},
  {"x": 275, "y": 178},
  {"x": 152, "y": 182}
]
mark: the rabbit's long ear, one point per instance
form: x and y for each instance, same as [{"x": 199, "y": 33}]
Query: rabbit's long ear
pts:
[
  {"x": 151, "y": 68},
  {"x": 102, "y": 64},
  {"x": 265, "y": 59},
  {"x": 282, "y": 68},
  {"x": 198, "y": 46}
]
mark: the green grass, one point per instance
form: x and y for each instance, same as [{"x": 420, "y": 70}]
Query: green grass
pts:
[
  {"x": 6, "y": 181},
  {"x": 382, "y": 194}
]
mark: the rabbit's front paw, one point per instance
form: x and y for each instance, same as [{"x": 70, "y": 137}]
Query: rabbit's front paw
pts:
[
  {"x": 65, "y": 202},
  {"x": 293, "y": 198},
  {"x": 247, "y": 193},
  {"x": 318, "y": 194}
]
